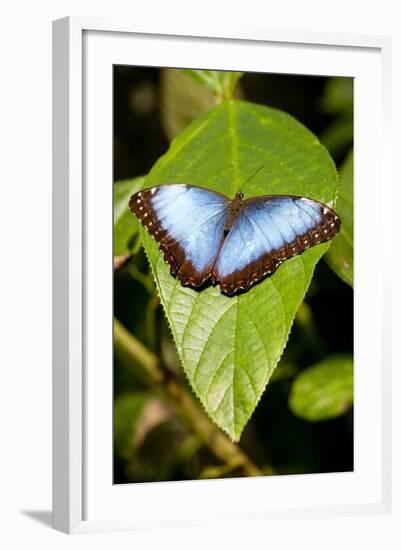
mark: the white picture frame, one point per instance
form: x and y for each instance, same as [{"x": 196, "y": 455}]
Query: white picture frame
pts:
[{"x": 84, "y": 498}]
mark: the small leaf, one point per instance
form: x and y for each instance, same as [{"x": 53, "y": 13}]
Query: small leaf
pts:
[
  {"x": 340, "y": 257},
  {"x": 338, "y": 96},
  {"x": 134, "y": 416},
  {"x": 229, "y": 347},
  {"x": 325, "y": 390},
  {"x": 221, "y": 83},
  {"x": 128, "y": 410},
  {"x": 125, "y": 224},
  {"x": 182, "y": 99},
  {"x": 339, "y": 136}
]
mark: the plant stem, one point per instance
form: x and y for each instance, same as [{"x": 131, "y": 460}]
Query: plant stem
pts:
[
  {"x": 148, "y": 362},
  {"x": 221, "y": 446},
  {"x": 218, "y": 443}
]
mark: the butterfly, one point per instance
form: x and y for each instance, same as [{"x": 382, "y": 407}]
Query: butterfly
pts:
[{"x": 234, "y": 242}]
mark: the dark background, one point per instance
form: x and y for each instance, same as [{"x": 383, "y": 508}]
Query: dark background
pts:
[{"x": 274, "y": 437}]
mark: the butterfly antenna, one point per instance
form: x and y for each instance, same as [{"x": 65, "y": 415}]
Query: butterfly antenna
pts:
[{"x": 252, "y": 176}]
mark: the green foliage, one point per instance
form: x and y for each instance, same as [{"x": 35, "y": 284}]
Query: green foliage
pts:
[
  {"x": 341, "y": 254},
  {"x": 324, "y": 390},
  {"x": 161, "y": 434},
  {"x": 338, "y": 101},
  {"x": 125, "y": 225},
  {"x": 229, "y": 347},
  {"x": 221, "y": 83}
]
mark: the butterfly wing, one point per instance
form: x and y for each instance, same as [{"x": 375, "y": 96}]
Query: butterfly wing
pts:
[
  {"x": 188, "y": 223},
  {"x": 269, "y": 230}
]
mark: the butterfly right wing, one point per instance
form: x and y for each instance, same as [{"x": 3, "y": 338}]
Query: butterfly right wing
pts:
[
  {"x": 268, "y": 231},
  {"x": 188, "y": 223}
]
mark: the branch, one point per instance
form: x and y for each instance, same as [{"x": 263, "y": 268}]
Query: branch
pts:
[
  {"x": 150, "y": 371},
  {"x": 153, "y": 373}
]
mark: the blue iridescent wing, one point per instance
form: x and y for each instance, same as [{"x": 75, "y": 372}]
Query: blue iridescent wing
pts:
[
  {"x": 188, "y": 223},
  {"x": 267, "y": 231}
]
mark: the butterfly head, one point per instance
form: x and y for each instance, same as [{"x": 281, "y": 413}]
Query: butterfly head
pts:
[{"x": 239, "y": 195}]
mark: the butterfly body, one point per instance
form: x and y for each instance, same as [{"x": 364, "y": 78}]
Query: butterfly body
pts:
[
  {"x": 233, "y": 210},
  {"x": 204, "y": 235}
]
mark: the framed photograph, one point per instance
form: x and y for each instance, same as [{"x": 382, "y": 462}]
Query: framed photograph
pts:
[{"x": 219, "y": 342}]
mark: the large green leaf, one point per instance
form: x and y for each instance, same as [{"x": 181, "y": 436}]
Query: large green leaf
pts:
[
  {"x": 341, "y": 254},
  {"x": 125, "y": 225},
  {"x": 229, "y": 347},
  {"x": 325, "y": 390}
]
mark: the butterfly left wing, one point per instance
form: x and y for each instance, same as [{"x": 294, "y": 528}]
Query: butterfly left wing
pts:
[
  {"x": 269, "y": 230},
  {"x": 188, "y": 223}
]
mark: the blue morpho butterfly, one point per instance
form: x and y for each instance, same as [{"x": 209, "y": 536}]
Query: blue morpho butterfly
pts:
[{"x": 234, "y": 242}]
